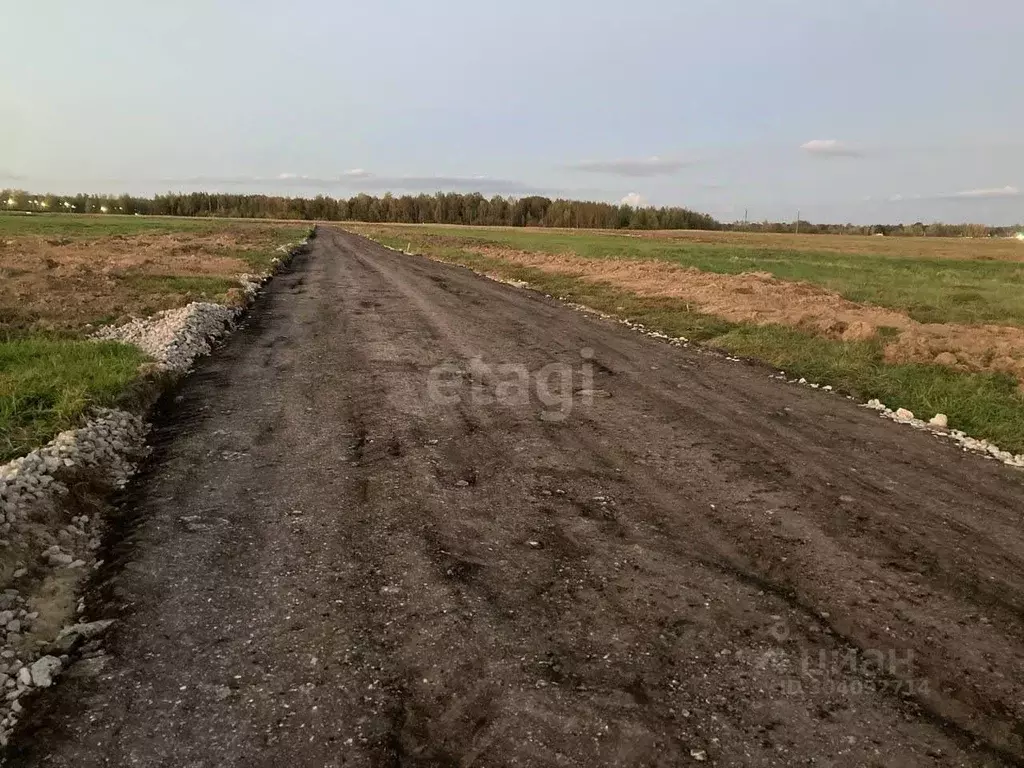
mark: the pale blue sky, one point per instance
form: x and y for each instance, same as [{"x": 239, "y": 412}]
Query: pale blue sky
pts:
[{"x": 874, "y": 110}]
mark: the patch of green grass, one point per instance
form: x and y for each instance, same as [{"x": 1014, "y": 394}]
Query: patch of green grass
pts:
[
  {"x": 48, "y": 384},
  {"x": 71, "y": 225},
  {"x": 933, "y": 290},
  {"x": 191, "y": 287},
  {"x": 261, "y": 260},
  {"x": 983, "y": 405}
]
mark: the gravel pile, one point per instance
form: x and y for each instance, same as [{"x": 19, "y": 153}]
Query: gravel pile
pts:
[
  {"x": 39, "y": 669},
  {"x": 176, "y": 337},
  {"x": 251, "y": 284},
  {"x": 32, "y": 487},
  {"x": 939, "y": 424},
  {"x": 24, "y": 669},
  {"x": 108, "y": 446}
]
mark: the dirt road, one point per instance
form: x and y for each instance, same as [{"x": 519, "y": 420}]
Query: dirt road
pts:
[{"x": 358, "y": 543}]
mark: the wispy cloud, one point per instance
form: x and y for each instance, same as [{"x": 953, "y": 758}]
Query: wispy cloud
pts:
[
  {"x": 986, "y": 194},
  {"x": 993, "y": 193},
  {"x": 8, "y": 176},
  {"x": 635, "y": 167},
  {"x": 634, "y": 199},
  {"x": 830, "y": 148}
]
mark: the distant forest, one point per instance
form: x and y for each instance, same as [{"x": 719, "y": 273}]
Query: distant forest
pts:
[{"x": 454, "y": 208}]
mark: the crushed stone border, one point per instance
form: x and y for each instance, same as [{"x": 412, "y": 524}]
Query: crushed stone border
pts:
[{"x": 36, "y": 490}]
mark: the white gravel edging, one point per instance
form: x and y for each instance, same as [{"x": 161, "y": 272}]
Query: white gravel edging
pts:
[
  {"x": 176, "y": 337},
  {"x": 108, "y": 444},
  {"x": 106, "y": 450},
  {"x": 939, "y": 426}
]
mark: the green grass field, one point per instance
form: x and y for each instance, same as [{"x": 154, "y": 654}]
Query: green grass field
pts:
[
  {"x": 988, "y": 405},
  {"x": 110, "y": 225}
]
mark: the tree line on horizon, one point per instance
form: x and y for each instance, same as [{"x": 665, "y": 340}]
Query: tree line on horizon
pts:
[
  {"x": 440, "y": 208},
  {"x": 472, "y": 209}
]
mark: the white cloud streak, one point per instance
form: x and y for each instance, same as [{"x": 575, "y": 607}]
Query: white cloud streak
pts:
[
  {"x": 830, "y": 148},
  {"x": 986, "y": 194},
  {"x": 993, "y": 193}
]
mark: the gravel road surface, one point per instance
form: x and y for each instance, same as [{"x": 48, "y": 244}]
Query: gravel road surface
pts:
[{"x": 412, "y": 517}]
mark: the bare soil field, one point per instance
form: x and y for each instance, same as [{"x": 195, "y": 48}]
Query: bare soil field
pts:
[{"x": 54, "y": 281}]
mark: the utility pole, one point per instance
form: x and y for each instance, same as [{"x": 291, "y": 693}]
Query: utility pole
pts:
[{"x": 798, "y": 222}]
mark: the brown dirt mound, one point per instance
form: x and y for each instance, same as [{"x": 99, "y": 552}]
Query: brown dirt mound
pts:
[
  {"x": 761, "y": 299},
  {"x": 965, "y": 347}
]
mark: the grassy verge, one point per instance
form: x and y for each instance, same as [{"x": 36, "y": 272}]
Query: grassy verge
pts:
[
  {"x": 981, "y": 404},
  {"x": 930, "y": 290},
  {"x": 985, "y": 405},
  {"x": 46, "y": 385}
]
